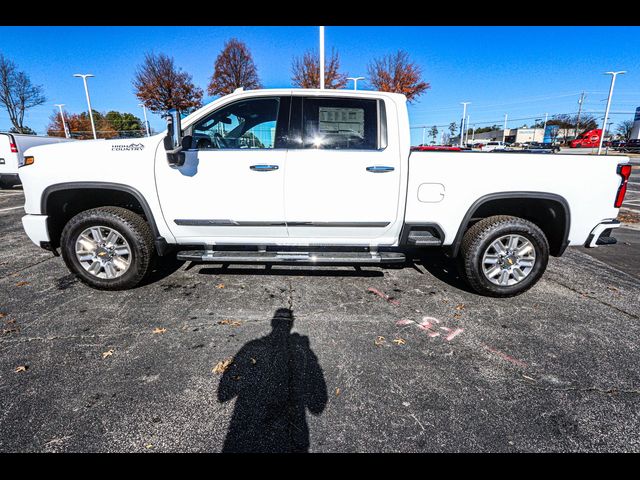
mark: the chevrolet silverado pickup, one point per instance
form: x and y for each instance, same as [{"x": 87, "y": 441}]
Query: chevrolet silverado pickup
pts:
[{"x": 320, "y": 177}]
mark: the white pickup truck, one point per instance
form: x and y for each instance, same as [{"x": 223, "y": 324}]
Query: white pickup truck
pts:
[{"x": 316, "y": 177}]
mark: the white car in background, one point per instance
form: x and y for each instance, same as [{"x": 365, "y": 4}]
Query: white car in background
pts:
[
  {"x": 491, "y": 146},
  {"x": 12, "y": 148}
]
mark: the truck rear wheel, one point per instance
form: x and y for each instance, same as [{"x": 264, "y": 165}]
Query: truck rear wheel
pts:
[
  {"x": 108, "y": 248},
  {"x": 503, "y": 256}
]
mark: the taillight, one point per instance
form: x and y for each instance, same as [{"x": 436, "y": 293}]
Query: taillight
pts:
[
  {"x": 625, "y": 172},
  {"x": 14, "y": 149}
]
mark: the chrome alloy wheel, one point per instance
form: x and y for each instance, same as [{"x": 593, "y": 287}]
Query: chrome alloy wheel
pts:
[
  {"x": 103, "y": 252},
  {"x": 508, "y": 260}
]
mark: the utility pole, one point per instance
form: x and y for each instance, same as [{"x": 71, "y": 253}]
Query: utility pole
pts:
[
  {"x": 606, "y": 113},
  {"x": 544, "y": 129},
  {"x": 504, "y": 132},
  {"x": 579, "y": 112},
  {"x": 464, "y": 115},
  {"x": 424, "y": 129},
  {"x": 64, "y": 124},
  {"x": 321, "y": 58}
]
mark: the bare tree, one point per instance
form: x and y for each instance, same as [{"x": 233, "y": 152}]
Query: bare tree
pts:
[
  {"x": 18, "y": 94},
  {"x": 306, "y": 71},
  {"x": 624, "y": 129},
  {"x": 234, "y": 68},
  {"x": 396, "y": 73},
  {"x": 161, "y": 86}
]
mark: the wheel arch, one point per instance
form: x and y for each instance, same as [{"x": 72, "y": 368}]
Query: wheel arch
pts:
[
  {"x": 549, "y": 211},
  {"x": 57, "y": 202}
]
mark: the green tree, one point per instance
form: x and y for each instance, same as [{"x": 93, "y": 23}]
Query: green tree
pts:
[
  {"x": 126, "y": 124},
  {"x": 24, "y": 130},
  {"x": 453, "y": 126},
  {"x": 433, "y": 132}
]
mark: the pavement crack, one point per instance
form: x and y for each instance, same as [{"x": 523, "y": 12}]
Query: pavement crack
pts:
[
  {"x": 25, "y": 268},
  {"x": 290, "y": 296},
  {"x": 608, "y": 391},
  {"x": 632, "y": 315}
]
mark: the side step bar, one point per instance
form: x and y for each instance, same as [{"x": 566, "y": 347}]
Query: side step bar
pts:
[{"x": 313, "y": 258}]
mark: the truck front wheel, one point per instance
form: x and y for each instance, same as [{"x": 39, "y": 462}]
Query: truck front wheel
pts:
[
  {"x": 503, "y": 256},
  {"x": 108, "y": 248}
]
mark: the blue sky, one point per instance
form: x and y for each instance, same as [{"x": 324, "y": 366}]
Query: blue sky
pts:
[{"x": 521, "y": 71}]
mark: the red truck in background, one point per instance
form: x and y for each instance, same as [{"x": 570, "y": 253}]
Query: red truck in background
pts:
[{"x": 588, "y": 139}]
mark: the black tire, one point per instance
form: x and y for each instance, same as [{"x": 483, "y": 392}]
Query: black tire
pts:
[
  {"x": 128, "y": 224},
  {"x": 477, "y": 239}
]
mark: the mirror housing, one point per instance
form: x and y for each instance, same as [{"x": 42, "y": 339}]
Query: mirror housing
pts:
[{"x": 173, "y": 142}]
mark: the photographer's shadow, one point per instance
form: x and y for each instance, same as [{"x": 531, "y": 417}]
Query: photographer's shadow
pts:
[{"x": 275, "y": 378}]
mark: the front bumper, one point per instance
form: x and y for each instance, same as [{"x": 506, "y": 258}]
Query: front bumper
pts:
[
  {"x": 36, "y": 228},
  {"x": 601, "y": 234}
]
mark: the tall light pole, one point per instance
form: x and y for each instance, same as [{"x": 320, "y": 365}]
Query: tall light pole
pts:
[
  {"x": 64, "y": 124},
  {"x": 466, "y": 131},
  {"x": 464, "y": 115},
  {"x": 355, "y": 81},
  {"x": 580, "y": 102},
  {"x": 504, "y": 132},
  {"x": 146, "y": 122},
  {"x": 606, "y": 112},
  {"x": 321, "y": 58},
  {"x": 86, "y": 90}
]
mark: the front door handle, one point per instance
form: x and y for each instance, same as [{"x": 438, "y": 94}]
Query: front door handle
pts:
[
  {"x": 264, "y": 168},
  {"x": 380, "y": 169}
]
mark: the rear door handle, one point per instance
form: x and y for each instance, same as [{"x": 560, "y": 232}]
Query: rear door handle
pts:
[
  {"x": 264, "y": 168},
  {"x": 380, "y": 169}
]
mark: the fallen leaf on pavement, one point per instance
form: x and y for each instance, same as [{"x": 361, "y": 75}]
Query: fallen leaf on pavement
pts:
[
  {"x": 253, "y": 361},
  {"x": 159, "y": 330},
  {"x": 233, "y": 323},
  {"x": 108, "y": 353},
  {"x": 457, "y": 315},
  {"x": 2, "y": 315},
  {"x": 148, "y": 445},
  {"x": 21, "y": 368},
  {"x": 220, "y": 285},
  {"x": 337, "y": 391},
  {"x": 399, "y": 341},
  {"x": 379, "y": 341},
  {"x": 222, "y": 366},
  {"x": 460, "y": 306},
  {"x": 21, "y": 284}
]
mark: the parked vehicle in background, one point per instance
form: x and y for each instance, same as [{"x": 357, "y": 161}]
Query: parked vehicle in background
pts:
[
  {"x": 543, "y": 146},
  {"x": 588, "y": 139},
  {"x": 491, "y": 146},
  {"x": 435, "y": 148},
  {"x": 321, "y": 177},
  {"x": 632, "y": 146},
  {"x": 12, "y": 148}
]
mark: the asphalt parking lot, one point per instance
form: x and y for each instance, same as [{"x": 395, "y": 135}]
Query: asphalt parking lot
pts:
[{"x": 321, "y": 363}]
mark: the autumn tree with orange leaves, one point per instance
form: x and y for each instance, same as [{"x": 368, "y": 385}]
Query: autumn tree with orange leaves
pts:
[
  {"x": 396, "y": 73},
  {"x": 306, "y": 71},
  {"x": 161, "y": 86},
  {"x": 79, "y": 125},
  {"x": 233, "y": 68}
]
